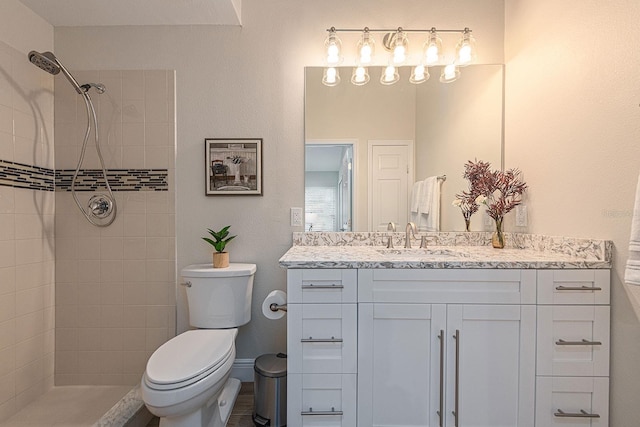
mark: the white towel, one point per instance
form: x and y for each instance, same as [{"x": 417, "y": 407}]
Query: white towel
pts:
[
  {"x": 632, "y": 272},
  {"x": 432, "y": 196},
  {"x": 416, "y": 194}
]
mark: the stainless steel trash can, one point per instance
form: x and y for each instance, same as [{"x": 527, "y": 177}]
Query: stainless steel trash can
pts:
[{"x": 270, "y": 390}]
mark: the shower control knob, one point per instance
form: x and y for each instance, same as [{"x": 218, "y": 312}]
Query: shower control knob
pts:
[{"x": 100, "y": 205}]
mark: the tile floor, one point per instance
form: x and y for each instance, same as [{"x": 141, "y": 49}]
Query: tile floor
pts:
[
  {"x": 59, "y": 407},
  {"x": 242, "y": 410}
]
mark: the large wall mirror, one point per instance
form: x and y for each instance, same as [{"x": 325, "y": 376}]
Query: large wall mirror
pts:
[{"x": 367, "y": 145}]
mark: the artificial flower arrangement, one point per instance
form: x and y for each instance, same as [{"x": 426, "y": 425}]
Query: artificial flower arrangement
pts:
[{"x": 499, "y": 191}]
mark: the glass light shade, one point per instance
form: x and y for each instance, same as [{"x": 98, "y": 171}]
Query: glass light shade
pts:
[
  {"x": 433, "y": 49},
  {"x": 466, "y": 49},
  {"x": 419, "y": 74},
  {"x": 330, "y": 76},
  {"x": 450, "y": 73},
  {"x": 400, "y": 47},
  {"x": 360, "y": 76},
  {"x": 366, "y": 48},
  {"x": 389, "y": 75},
  {"x": 333, "y": 47}
]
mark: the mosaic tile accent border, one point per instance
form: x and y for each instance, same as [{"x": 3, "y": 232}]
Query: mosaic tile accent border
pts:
[
  {"x": 26, "y": 176},
  {"x": 119, "y": 180},
  {"x": 44, "y": 179}
]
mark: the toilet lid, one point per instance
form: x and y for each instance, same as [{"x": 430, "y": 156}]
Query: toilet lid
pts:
[
  {"x": 207, "y": 270},
  {"x": 189, "y": 357}
]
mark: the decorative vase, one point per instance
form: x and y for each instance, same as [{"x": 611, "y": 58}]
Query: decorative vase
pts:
[
  {"x": 498, "y": 236},
  {"x": 467, "y": 224},
  {"x": 220, "y": 259}
]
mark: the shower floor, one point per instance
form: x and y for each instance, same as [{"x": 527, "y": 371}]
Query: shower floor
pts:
[{"x": 69, "y": 406}]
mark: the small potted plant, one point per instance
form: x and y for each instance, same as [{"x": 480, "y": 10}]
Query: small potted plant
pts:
[{"x": 219, "y": 241}]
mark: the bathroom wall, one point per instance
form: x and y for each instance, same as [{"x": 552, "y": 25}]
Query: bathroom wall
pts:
[
  {"x": 115, "y": 286},
  {"x": 573, "y": 127},
  {"x": 249, "y": 82},
  {"x": 26, "y": 211}
]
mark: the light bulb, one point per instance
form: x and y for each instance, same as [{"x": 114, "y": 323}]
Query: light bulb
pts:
[
  {"x": 333, "y": 47},
  {"x": 330, "y": 77},
  {"x": 400, "y": 48},
  {"x": 366, "y": 47},
  {"x": 433, "y": 48},
  {"x": 450, "y": 73},
  {"x": 419, "y": 74},
  {"x": 466, "y": 49},
  {"x": 389, "y": 75},
  {"x": 360, "y": 76}
]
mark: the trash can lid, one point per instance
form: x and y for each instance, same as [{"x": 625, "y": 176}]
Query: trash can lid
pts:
[{"x": 272, "y": 365}]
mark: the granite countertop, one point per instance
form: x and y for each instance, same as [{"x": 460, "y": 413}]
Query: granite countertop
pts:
[{"x": 365, "y": 250}]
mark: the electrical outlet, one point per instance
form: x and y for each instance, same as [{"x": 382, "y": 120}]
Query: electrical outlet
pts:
[
  {"x": 296, "y": 217},
  {"x": 521, "y": 216}
]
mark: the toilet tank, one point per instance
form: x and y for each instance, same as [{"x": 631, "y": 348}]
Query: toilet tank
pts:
[{"x": 219, "y": 297}]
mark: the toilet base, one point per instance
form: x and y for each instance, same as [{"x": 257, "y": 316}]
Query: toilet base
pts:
[{"x": 211, "y": 415}]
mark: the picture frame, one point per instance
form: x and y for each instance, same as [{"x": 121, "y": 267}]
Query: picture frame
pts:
[{"x": 233, "y": 166}]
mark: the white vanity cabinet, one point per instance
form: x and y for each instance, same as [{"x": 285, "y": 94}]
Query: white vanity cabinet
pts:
[
  {"x": 468, "y": 359},
  {"x": 448, "y": 347}
]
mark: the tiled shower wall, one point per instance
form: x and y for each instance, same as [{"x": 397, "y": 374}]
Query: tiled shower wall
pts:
[
  {"x": 26, "y": 231},
  {"x": 115, "y": 286}
]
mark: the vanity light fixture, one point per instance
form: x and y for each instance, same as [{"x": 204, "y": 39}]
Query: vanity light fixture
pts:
[{"x": 396, "y": 42}]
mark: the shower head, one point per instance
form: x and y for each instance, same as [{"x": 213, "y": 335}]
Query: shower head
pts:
[
  {"x": 48, "y": 62},
  {"x": 45, "y": 61}
]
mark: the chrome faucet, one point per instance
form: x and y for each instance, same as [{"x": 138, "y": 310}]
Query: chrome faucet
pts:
[
  {"x": 409, "y": 230},
  {"x": 391, "y": 227}
]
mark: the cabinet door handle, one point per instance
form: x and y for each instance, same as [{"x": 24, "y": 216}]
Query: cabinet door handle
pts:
[
  {"x": 581, "y": 414},
  {"x": 440, "y": 412},
  {"x": 578, "y": 288},
  {"x": 583, "y": 342},
  {"x": 456, "y": 408},
  {"x": 312, "y": 412},
  {"x": 331, "y": 286},
  {"x": 311, "y": 339}
]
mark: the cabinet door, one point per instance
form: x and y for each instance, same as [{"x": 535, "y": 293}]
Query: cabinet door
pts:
[
  {"x": 491, "y": 365},
  {"x": 400, "y": 364}
]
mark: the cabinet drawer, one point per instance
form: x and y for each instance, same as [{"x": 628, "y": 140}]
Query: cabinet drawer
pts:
[
  {"x": 321, "y": 400},
  {"x": 573, "y": 286},
  {"x": 322, "y": 338},
  {"x": 322, "y": 286},
  {"x": 476, "y": 286},
  {"x": 573, "y": 340},
  {"x": 562, "y": 401}
]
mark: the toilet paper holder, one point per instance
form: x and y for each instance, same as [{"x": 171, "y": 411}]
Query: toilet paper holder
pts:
[{"x": 277, "y": 307}]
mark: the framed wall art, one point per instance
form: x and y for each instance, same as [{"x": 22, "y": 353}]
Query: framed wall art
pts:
[{"x": 233, "y": 166}]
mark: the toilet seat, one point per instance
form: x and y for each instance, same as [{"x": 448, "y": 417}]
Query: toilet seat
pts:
[{"x": 189, "y": 357}]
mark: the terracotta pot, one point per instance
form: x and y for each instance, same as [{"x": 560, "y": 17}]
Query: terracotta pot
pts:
[{"x": 220, "y": 259}]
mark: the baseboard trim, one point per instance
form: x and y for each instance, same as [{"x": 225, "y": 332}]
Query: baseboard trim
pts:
[{"x": 243, "y": 370}]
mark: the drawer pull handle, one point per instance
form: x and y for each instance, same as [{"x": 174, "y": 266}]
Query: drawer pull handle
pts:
[
  {"x": 583, "y": 342},
  {"x": 331, "y": 286},
  {"x": 581, "y": 414},
  {"x": 311, "y": 339},
  {"x": 578, "y": 288},
  {"x": 312, "y": 412}
]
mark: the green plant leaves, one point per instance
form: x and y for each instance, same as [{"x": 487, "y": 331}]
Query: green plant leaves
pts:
[{"x": 220, "y": 238}]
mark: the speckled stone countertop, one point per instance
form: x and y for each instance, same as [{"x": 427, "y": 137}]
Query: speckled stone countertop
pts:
[{"x": 445, "y": 250}]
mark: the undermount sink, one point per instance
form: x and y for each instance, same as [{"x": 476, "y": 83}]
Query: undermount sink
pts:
[{"x": 420, "y": 252}]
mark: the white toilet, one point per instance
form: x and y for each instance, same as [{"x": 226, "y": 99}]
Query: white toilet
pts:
[{"x": 186, "y": 382}]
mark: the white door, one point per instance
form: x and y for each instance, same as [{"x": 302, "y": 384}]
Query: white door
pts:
[
  {"x": 490, "y": 365},
  {"x": 390, "y": 173},
  {"x": 399, "y": 364}
]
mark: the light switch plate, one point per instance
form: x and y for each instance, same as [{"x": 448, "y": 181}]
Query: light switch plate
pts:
[
  {"x": 296, "y": 217},
  {"x": 521, "y": 216}
]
